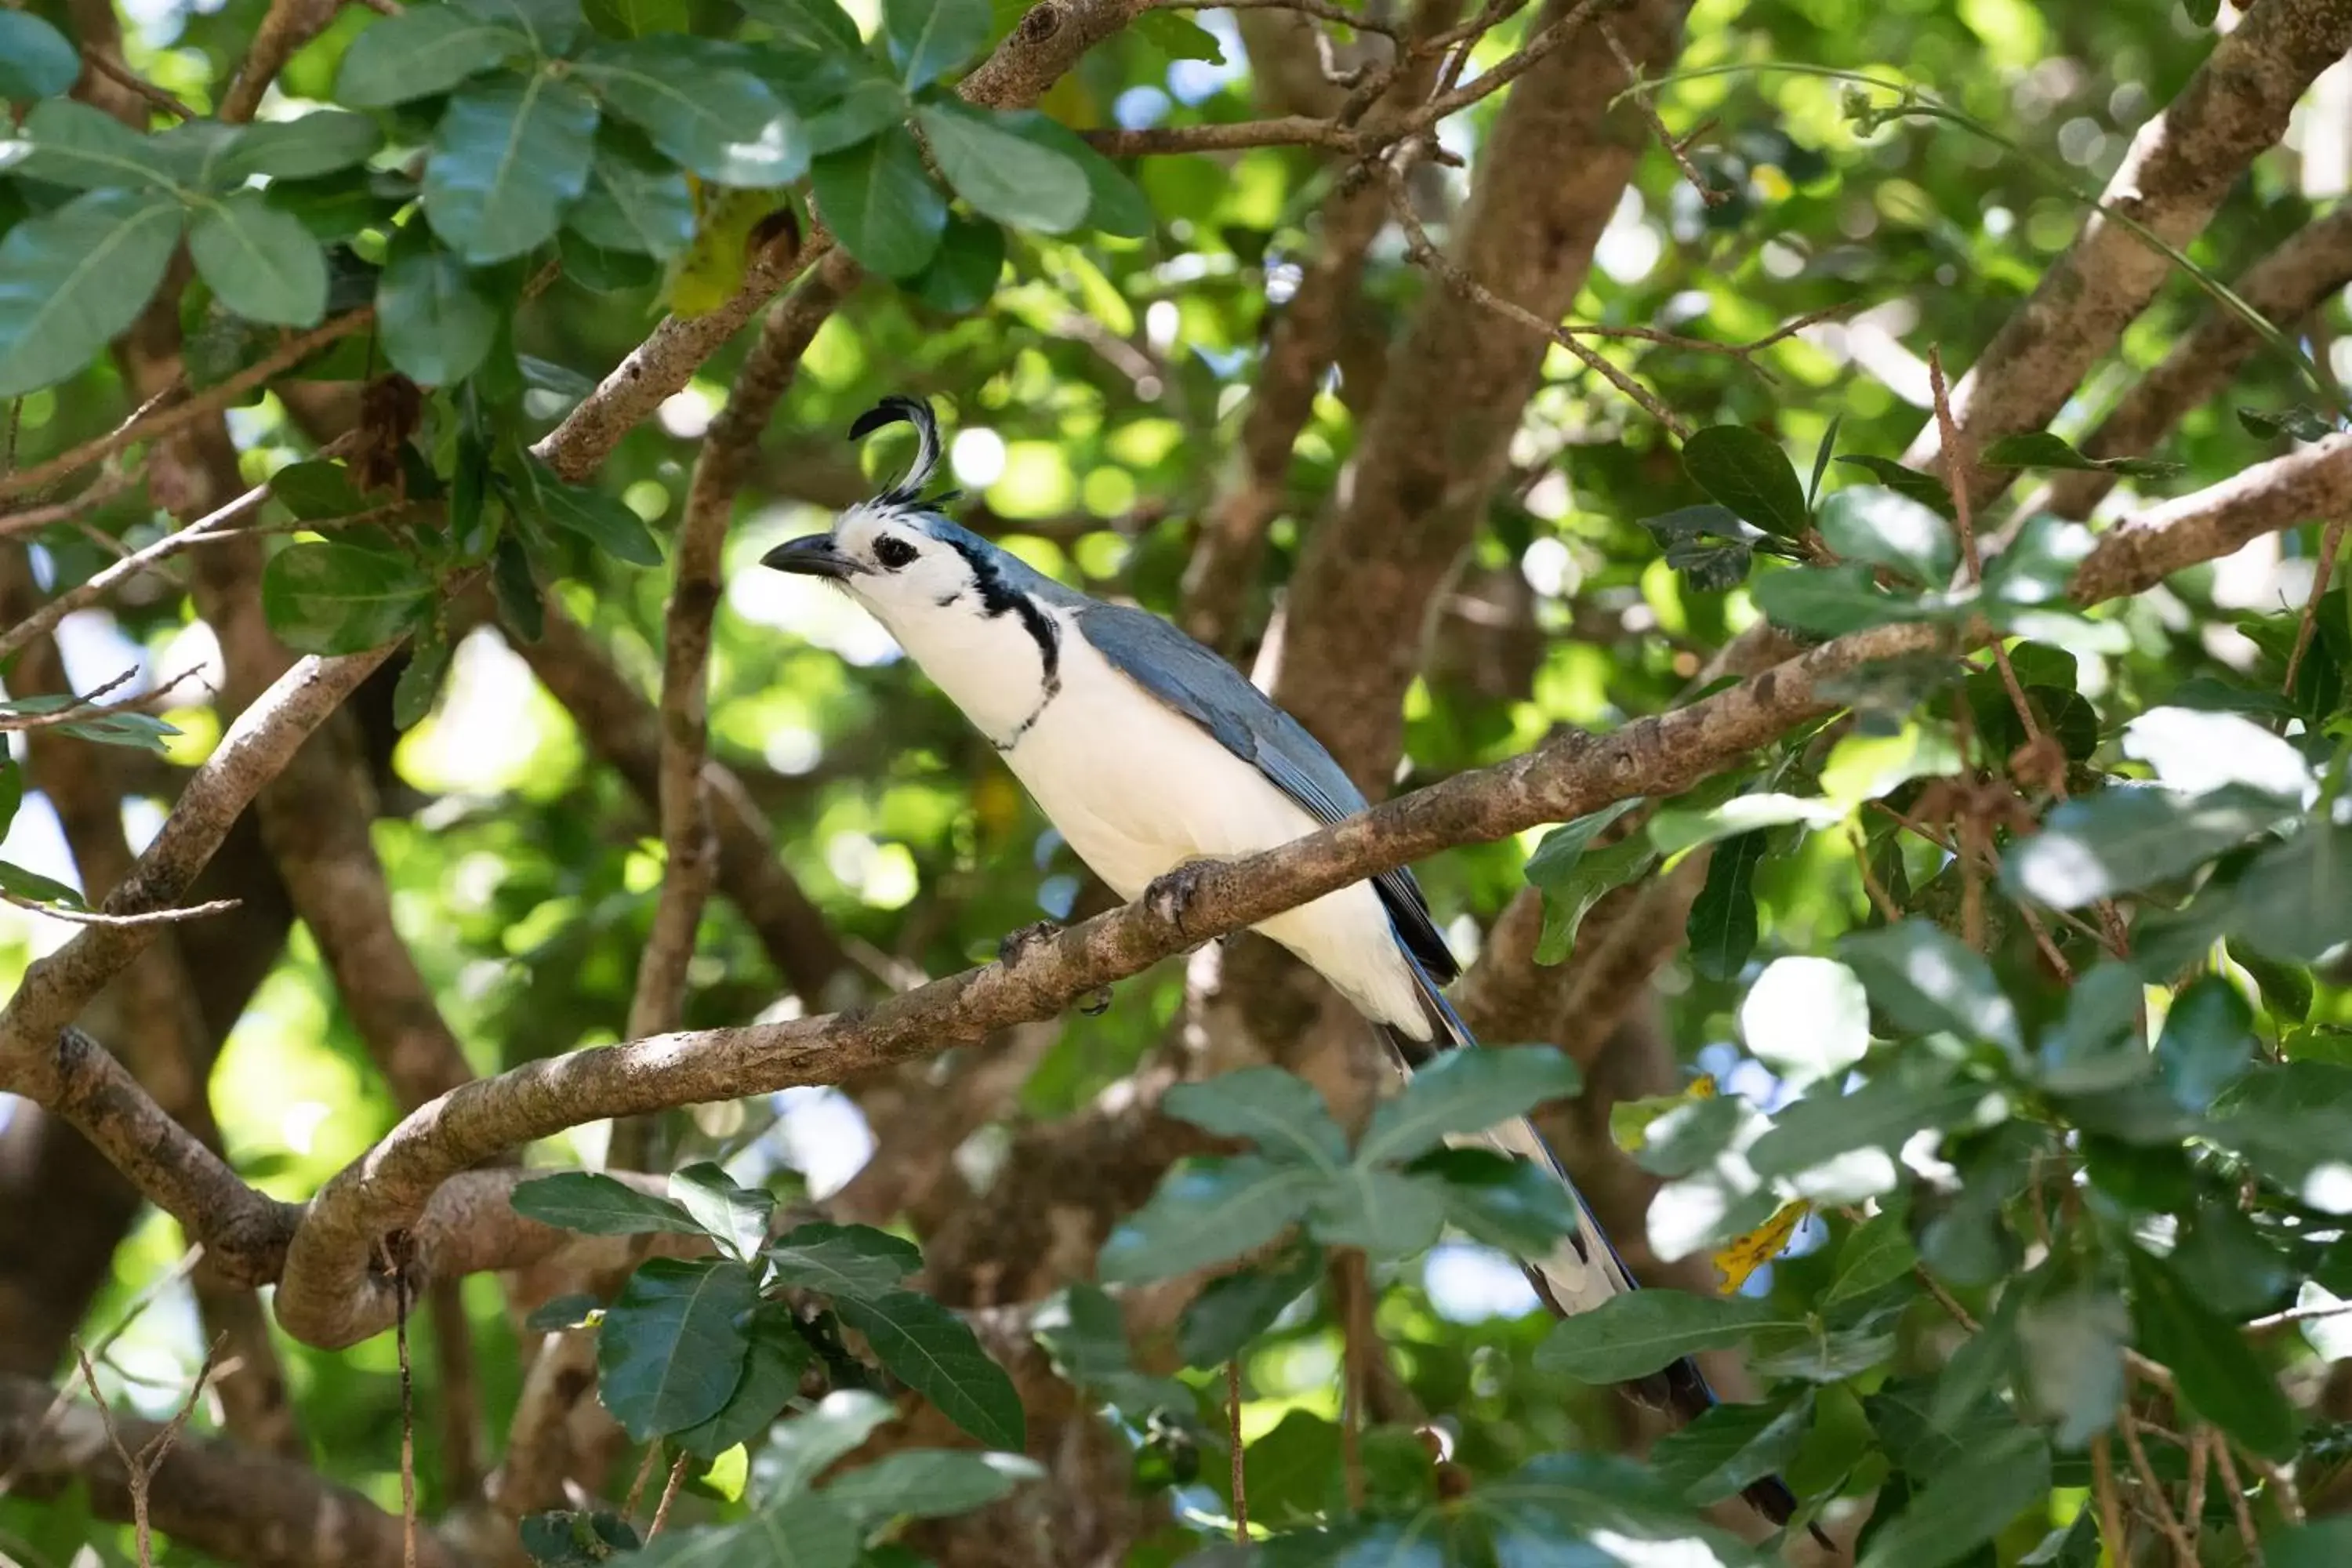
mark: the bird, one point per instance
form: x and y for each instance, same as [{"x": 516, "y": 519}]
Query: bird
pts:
[{"x": 1152, "y": 755}]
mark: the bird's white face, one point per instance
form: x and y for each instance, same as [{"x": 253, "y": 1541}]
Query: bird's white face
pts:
[{"x": 904, "y": 575}]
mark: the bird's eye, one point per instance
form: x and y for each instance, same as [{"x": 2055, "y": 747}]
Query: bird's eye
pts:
[{"x": 893, "y": 551}]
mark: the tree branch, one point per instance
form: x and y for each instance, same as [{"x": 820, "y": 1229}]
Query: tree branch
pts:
[
  {"x": 2285, "y": 286},
  {"x": 2144, "y": 549},
  {"x": 241, "y": 1506},
  {"x": 2180, "y": 167}
]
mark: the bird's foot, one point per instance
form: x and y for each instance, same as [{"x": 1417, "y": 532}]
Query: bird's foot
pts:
[
  {"x": 1016, "y": 943},
  {"x": 1172, "y": 894}
]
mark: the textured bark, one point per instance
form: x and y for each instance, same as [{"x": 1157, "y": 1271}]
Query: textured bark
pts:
[
  {"x": 2285, "y": 286},
  {"x": 2180, "y": 167},
  {"x": 1432, "y": 451}
]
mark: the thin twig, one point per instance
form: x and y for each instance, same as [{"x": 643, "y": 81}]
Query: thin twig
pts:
[
  {"x": 2111, "y": 1511},
  {"x": 1879, "y": 898},
  {"x": 104, "y": 489},
  {"x": 1944, "y": 1299},
  {"x": 139, "y": 1469},
  {"x": 122, "y": 75},
  {"x": 1233, "y": 1431},
  {"x": 2235, "y": 1491},
  {"x": 2331, "y": 544},
  {"x": 1708, "y": 194},
  {"x": 2184, "y": 1546},
  {"x": 1423, "y": 249},
  {"x": 2200, "y": 1454},
  {"x": 670, "y": 1494},
  {"x": 151, "y": 423},
  {"x": 645, "y": 1475},
  {"x": 2280, "y": 1486},
  {"x": 203, "y": 530},
  {"x": 1354, "y": 1329},
  {"x": 99, "y": 918},
  {"x": 407, "y": 1406},
  {"x": 1322, "y": 10}
]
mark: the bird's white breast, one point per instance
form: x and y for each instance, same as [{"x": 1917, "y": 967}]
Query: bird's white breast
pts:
[{"x": 1138, "y": 789}]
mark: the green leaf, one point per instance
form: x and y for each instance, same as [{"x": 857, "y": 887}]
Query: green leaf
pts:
[
  {"x": 1114, "y": 204},
  {"x": 325, "y": 141},
  {"x": 1747, "y": 471},
  {"x": 2074, "y": 1350},
  {"x": 261, "y": 263},
  {"x": 437, "y": 325},
  {"x": 35, "y": 61},
  {"x": 1238, "y": 1307},
  {"x": 638, "y": 207},
  {"x": 935, "y": 1353},
  {"x": 1636, "y": 1335},
  {"x": 74, "y": 278},
  {"x": 2128, "y": 837},
  {"x": 2194, "y": 750},
  {"x": 1966, "y": 1505},
  {"x": 736, "y": 1217},
  {"x": 551, "y": 25},
  {"x": 1178, "y": 37},
  {"x": 2219, "y": 1372},
  {"x": 871, "y": 106},
  {"x": 844, "y": 1260},
  {"x": 507, "y": 157},
  {"x": 1281, "y": 1112},
  {"x": 928, "y": 39},
  {"x": 637, "y": 18},
  {"x": 597, "y": 1205},
  {"x": 962, "y": 277},
  {"x": 2208, "y": 1041},
  {"x": 1876, "y": 1254},
  {"x": 603, "y": 520},
  {"x": 420, "y": 678},
  {"x": 421, "y": 53},
  {"x": 1926, "y": 488},
  {"x": 1926, "y": 981},
  {"x": 1731, "y": 1447},
  {"x": 1204, "y": 1212},
  {"x": 41, "y": 889},
  {"x": 1806, "y": 1018},
  {"x": 1007, "y": 177},
  {"x": 1676, "y": 828},
  {"x": 1830, "y": 601},
  {"x": 716, "y": 119},
  {"x": 1515, "y": 1204},
  {"x": 67, "y": 142},
  {"x": 1465, "y": 1092},
  {"x": 316, "y": 490},
  {"x": 771, "y": 1378},
  {"x": 1883, "y": 1113},
  {"x": 339, "y": 599},
  {"x": 673, "y": 1347},
  {"x": 2295, "y": 901},
  {"x": 12, "y": 791},
  {"x": 1088, "y": 1336},
  {"x": 1886, "y": 528},
  {"x": 1379, "y": 1212},
  {"x": 1572, "y": 880},
  {"x": 928, "y": 1483},
  {"x": 2328, "y": 1542},
  {"x": 1721, "y": 927},
  {"x": 804, "y": 1447},
  {"x": 881, "y": 201},
  {"x": 2038, "y": 567},
  {"x": 1711, "y": 548},
  {"x": 2041, "y": 449},
  {"x": 2295, "y": 421},
  {"x": 798, "y": 1533},
  {"x": 564, "y": 1539}
]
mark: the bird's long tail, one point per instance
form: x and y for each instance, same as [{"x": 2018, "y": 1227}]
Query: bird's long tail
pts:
[{"x": 1584, "y": 1269}]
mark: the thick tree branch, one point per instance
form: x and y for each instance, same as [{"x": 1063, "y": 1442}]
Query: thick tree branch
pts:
[
  {"x": 254, "y": 1510},
  {"x": 2180, "y": 167},
  {"x": 2144, "y": 549},
  {"x": 1372, "y": 571},
  {"x": 253, "y": 750},
  {"x": 2285, "y": 286}
]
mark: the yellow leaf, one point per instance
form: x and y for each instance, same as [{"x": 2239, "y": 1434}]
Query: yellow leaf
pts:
[
  {"x": 711, "y": 269},
  {"x": 1753, "y": 1251},
  {"x": 1630, "y": 1120}
]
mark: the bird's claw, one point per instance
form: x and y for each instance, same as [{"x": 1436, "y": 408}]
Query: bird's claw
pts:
[
  {"x": 1016, "y": 943},
  {"x": 1172, "y": 894}
]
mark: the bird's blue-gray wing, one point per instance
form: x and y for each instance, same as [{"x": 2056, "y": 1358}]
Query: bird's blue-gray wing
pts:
[{"x": 1199, "y": 684}]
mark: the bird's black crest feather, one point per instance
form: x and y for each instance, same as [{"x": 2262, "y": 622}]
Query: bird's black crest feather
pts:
[{"x": 894, "y": 410}]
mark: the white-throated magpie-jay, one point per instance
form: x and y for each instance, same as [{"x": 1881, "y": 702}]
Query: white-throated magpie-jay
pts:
[{"x": 1149, "y": 753}]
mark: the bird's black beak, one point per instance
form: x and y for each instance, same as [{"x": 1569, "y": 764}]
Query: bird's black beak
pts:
[{"x": 811, "y": 555}]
